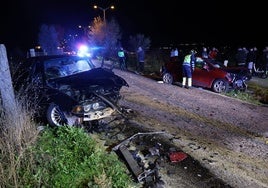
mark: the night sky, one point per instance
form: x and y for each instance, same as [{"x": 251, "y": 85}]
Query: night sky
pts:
[{"x": 164, "y": 22}]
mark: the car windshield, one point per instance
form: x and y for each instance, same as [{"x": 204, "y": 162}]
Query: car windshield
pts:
[
  {"x": 62, "y": 67},
  {"x": 217, "y": 64}
]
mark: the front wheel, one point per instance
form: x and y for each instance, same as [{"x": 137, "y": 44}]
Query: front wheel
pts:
[
  {"x": 167, "y": 78},
  {"x": 55, "y": 116},
  {"x": 220, "y": 86}
]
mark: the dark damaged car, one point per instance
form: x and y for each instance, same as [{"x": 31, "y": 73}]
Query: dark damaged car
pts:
[{"x": 68, "y": 90}]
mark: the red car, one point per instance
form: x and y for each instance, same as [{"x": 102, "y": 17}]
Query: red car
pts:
[{"x": 208, "y": 74}]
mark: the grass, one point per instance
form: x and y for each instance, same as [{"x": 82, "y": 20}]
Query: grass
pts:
[
  {"x": 69, "y": 157},
  {"x": 62, "y": 157},
  {"x": 255, "y": 94}
]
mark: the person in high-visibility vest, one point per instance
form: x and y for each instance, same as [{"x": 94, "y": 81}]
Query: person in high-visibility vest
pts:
[
  {"x": 188, "y": 66},
  {"x": 122, "y": 59}
]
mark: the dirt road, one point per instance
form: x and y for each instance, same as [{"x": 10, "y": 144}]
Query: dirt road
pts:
[{"x": 227, "y": 136}]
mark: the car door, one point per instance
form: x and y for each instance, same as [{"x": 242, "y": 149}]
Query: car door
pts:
[{"x": 201, "y": 74}]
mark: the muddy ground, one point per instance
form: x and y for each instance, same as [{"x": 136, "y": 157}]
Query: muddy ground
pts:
[{"x": 227, "y": 136}]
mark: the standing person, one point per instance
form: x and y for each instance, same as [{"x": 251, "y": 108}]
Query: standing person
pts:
[
  {"x": 213, "y": 53},
  {"x": 176, "y": 54},
  {"x": 141, "y": 59},
  {"x": 241, "y": 57},
  {"x": 172, "y": 53},
  {"x": 251, "y": 59},
  {"x": 204, "y": 53},
  {"x": 122, "y": 59},
  {"x": 264, "y": 63},
  {"x": 188, "y": 66}
]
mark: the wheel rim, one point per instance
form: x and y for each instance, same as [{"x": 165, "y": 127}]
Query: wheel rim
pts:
[
  {"x": 219, "y": 86},
  {"x": 167, "y": 78},
  {"x": 57, "y": 116}
]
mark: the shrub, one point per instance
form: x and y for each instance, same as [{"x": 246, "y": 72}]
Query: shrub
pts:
[{"x": 69, "y": 157}]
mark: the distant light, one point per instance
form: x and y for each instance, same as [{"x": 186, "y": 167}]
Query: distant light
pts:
[
  {"x": 83, "y": 51},
  {"x": 38, "y": 47},
  {"x": 83, "y": 48}
]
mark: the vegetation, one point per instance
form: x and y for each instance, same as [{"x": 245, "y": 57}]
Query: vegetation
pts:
[
  {"x": 255, "y": 94},
  {"x": 62, "y": 157},
  {"x": 105, "y": 35},
  {"x": 68, "y": 157}
]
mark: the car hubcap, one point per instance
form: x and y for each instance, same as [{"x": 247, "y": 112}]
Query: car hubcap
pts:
[
  {"x": 56, "y": 116},
  {"x": 220, "y": 87},
  {"x": 167, "y": 78}
]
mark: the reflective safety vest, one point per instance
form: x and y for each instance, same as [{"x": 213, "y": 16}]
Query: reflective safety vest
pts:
[
  {"x": 121, "y": 54},
  {"x": 187, "y": 60}
]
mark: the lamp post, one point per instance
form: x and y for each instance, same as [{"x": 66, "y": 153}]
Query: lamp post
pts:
[{"x": 103, "y": 10}]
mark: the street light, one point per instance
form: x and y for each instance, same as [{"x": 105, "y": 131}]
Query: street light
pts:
[{"x": 103, "y": 10}]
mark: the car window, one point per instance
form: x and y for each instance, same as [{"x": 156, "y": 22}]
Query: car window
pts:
[
  {"x": 217, "y": 64},
  {"x": 199, "y": 63},
  {"x": 62, "y": 67}
]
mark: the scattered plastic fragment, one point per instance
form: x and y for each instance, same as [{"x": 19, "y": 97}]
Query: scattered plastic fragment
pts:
[{"x": 177, "y": 156}]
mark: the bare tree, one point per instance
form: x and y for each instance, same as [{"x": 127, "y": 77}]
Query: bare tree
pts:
[
  {"x": 139, "y": 40},
  {"x": 105, "y": 36}
]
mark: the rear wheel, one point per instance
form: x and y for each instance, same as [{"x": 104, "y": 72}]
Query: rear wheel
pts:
[
  {"x": 220, "y": 86},
  {"x": 55, "y": 116},
  {"x": 167, "y": 78}
]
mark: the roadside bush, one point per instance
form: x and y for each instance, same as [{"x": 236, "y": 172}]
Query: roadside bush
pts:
[{"x": 69, "y": 157}]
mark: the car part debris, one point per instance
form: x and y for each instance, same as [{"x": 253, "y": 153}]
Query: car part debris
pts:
[
  {"x": 141, "y": 173},
  {"x": 132, "y": 163},
  {"x": 133, "y": 136},
  {"x": 177, "y": 156}
]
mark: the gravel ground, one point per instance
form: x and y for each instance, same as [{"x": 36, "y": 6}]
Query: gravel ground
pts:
[{"x": 227, "y": 136}]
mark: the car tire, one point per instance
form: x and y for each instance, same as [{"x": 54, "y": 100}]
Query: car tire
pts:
[
  {"x": 55, "y": 116},
  {"x": 220, "y": 86},
  {"x": 167, "y": 78}
]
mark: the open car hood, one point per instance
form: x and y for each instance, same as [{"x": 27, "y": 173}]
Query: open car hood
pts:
[
  {"x": 96, "y": 76},
  {"x": 241, "y": 72}
]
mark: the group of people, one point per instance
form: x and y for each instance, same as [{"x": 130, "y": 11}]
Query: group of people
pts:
[
  {"x": 122, "y": 58},
  {"x": 244, "y": 57}
]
